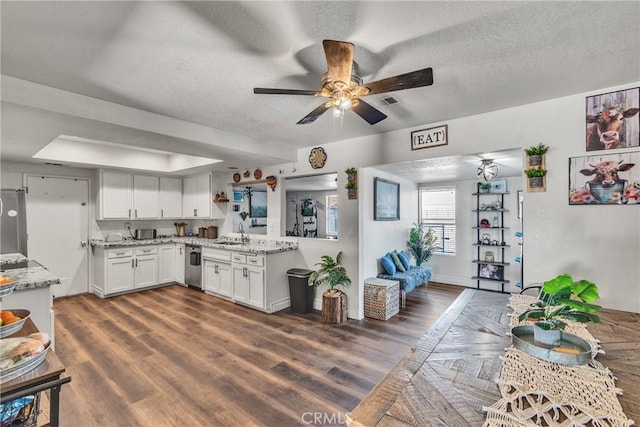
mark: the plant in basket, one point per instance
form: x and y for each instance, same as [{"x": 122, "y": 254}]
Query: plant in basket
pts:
[{"x": 562, "y": 298}]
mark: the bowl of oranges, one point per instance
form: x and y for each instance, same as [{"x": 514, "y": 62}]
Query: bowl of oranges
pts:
[
  {"x": 7, "y": 285},
  {"x": 12, "y": 321}
]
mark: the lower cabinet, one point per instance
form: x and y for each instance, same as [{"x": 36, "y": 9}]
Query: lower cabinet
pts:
[
  {"x": 216, "y": 272},
  {"x": 127, "y": 269},
  {"x": 249, "y": 286},
  {"x": 180, "y": 257}
]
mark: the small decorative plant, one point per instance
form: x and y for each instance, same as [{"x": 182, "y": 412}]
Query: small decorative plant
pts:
[
  {"x": 564, "y": 298},
  {"x": 535, "y": 173},
  {"x": 421, "y": 243},
  {"x": 351, "y": 185},
  {"x": 350, "y": 171},
  {"x": 484, "y": 187},
  {"x": 330, "y": 273},
  {"x": 536, "y": 150}
]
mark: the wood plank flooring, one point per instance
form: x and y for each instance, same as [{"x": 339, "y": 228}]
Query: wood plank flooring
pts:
[{"x": 177, "y": 357}]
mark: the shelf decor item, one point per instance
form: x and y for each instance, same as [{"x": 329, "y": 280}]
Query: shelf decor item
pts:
[
  {"x": 535, "y": 155},
  {"x": 536, "y": 181}
]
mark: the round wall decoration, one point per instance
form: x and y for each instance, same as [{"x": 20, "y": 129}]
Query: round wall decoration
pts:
[
  {"x": 236, "y": 177},
  {"x": 257, "y": 174},
  {"x": 246, "y": 174},
  {"x": 317, "y": 157}
]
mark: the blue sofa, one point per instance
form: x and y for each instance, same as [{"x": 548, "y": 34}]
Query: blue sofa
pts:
[{"x": 409, "y": 280}]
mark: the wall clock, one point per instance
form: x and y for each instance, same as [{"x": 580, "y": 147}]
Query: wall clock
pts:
[{"x": 317, "y": 157}]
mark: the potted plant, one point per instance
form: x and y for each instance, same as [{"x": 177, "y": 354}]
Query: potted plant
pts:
[
  {"x": 421, "y": 243},
  {"x": 334, "y": 301},
  {"x": 536, "y": 177},
  {"x": 352, "y": 183},
  {"x": 562, "y": 298},
  {"x": 535, "y": 154},
  {"x": 484, "y": 187}
]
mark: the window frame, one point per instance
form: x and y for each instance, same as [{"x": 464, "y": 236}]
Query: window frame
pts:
[{"x": 434, "y": 224}]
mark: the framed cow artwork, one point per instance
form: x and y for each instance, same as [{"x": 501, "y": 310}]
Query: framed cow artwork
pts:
[
  {"x": 606, "y": 179},
  {"x": 613, "y": 120}
]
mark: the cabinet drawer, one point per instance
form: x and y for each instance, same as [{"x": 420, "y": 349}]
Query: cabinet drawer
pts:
[
  {"x": 217, "y": 255},
  {"x": 150, "y": 250},
  {"x": 258, "y": 261},
  {"x": 239, "y": 258},
  {"x": 120, "y": 253}
]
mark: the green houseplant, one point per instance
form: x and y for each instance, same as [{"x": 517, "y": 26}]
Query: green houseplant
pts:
[
  {"x": 535, "y": 173},
  {"x": 536, "y": 150},
  {"x": 421, "y": 243},
  {"x": 562, "y": 298},
  {"x": 332, "y": 274}
]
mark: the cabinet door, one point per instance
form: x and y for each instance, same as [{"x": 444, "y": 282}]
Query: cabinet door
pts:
[
  {"x": 146, "y": 197},
  {"x": 240, "y": 283},
  {"x": 180, "y": 263},
  {"x": 170, "y": 197},
  {"x": 210, "y": 277},
  {"x": 119, "y": 275},
  {"x": 116, "y": 196},
  {"x": 255, "y": 277},
  {"x": 167, "y": 264},
  {"x": 146, "y": 270},
  {"x": 203, "y": 197},
  {"x": 189, "y": 191},
  {"x": 225, "y": 286}
]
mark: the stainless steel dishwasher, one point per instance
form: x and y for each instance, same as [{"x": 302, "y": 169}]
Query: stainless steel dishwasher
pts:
[{"x": 193, "y": 266}]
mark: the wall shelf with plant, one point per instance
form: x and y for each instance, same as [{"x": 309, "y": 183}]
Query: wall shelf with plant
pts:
[
  {"x": 352, "y": 183},
  {"x": 536, "y": 179},
  {"x": 535, "y": 155}
]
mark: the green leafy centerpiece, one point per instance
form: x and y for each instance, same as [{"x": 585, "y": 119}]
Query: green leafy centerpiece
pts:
[
  {"x": 421, "y": 243},
  {"x": 334, "y": 301},
  {"x": 562, "y": 298}
]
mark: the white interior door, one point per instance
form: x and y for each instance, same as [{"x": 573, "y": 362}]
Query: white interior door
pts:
[{"x": 58, "y": 230}]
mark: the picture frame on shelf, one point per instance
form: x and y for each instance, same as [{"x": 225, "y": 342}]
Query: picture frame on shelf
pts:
[
  {"x": 238, "y": 196},
  {"x": 498, "y": 186},
  {"x": 491, "y": 271},
  {"x": 386, "y": 200}
]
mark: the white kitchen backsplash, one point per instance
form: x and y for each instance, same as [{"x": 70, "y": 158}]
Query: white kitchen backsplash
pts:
[{"x": 165, "y": 227}]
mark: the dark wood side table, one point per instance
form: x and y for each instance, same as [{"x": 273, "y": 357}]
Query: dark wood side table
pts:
[{"x": 46, "y": 376}]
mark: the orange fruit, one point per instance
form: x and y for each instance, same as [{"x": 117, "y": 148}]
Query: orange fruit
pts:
[
  {"x": 5, "y": 314},
  {"x": 10, "y": 320}
]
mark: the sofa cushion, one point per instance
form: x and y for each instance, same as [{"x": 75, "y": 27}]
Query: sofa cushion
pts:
[
  {"x": 404, "y": 258},
  {"x": 397, "y": 262},
  {"x": 388, "y": 264}
]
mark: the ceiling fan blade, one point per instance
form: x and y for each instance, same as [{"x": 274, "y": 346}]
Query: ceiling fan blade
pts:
[
  {"x": 403, "y": 81},
  {"x": 267, "y": 91},
  {"x": 312, "y": 116},
  {"x": 339, "y": 60},
  {"x": 371, "y": 114}
]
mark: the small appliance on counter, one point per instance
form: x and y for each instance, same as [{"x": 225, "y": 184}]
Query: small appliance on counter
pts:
[
  {"x": 181, "y": 228},
  {"x": 145, "y": 233}
]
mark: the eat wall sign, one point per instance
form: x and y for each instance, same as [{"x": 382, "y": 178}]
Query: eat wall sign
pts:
[{"x": 431, "y": 137}]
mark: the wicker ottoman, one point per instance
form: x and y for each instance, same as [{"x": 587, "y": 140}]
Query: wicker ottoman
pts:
[{"x": 381, "y": 298}]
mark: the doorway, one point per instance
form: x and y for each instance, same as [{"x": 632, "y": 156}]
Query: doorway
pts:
[{"x": 58, "y": 230}]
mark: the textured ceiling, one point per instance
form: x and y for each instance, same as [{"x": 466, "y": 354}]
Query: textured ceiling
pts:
[{"x": 194, "y": 65}]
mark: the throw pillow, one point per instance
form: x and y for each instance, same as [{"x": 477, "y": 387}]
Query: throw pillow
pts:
[
  {"x": 404, "y": 258},
  {"x": 388, "y": 264},
  {"x": 397, "y": 262}
]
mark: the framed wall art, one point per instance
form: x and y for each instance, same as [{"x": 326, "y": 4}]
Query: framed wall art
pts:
[
  {"x": 606, "y": 179},
  {"x": 613, "y": 120},
  {"x": 431, "y": 137},
  {"x": 491, "y": 271},
  {"x": 386, "y": 200},
  {"x": 258, "y": 204},
  {"x": 498, "y": 186}
]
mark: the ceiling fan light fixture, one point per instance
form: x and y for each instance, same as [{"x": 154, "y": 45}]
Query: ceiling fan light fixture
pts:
[{"x": 487, "y": 170}]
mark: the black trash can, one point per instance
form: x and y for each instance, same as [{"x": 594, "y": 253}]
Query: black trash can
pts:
[{"x": 301, "y": 294}]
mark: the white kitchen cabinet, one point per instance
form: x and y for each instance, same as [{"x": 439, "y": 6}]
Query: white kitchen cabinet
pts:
[
  {"x": 146, "y": 197},
  {"x": 249, "y": 280},
  {"x": 216, "y": 272},
  {"x": 116, "y": 195},
  {"x": 120, "y": 267},
  {"x": 180, "y": 257},
  {"x": 196, "y": 196},
  {"x": 167, "y": 263},
  {"x": 170, "y": 197},
  {"x": 146, "y": 267}
]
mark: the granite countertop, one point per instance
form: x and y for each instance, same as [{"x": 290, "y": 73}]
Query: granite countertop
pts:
[
  {"x": 32, "y": 276},
  {"x": 254, "y": 246}
]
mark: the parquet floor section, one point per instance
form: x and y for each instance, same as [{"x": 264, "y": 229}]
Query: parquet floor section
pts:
[{"x": 177, "y": 357}]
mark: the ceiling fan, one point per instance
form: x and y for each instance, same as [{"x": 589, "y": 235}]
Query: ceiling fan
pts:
[{"x": 343, "y": 85}]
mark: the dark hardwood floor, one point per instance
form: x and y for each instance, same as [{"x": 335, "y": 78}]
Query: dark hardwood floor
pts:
[{"x": 177, "y": 357}]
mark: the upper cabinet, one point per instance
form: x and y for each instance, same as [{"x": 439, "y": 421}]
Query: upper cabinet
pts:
[
  {"x": 170, "y": 197},
  {"x": 196, "y": 196},
  {"x": 146, "y": 197},
  {"x": 128, "y": 196},
  {"x": 116, "y": 195}
]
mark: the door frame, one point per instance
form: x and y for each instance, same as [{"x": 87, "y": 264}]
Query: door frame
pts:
[{"x": 91, "y": 213}]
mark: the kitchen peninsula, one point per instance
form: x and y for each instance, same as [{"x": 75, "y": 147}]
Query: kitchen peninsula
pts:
[
  {"x": 248, "y": 272},
  {"x": 32, "y": 290}
]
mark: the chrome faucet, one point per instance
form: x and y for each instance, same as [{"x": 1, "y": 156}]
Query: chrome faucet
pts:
[{"x": 243, "y": 237}]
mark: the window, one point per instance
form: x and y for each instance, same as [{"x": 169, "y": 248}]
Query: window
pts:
[
  {"x": 438, "y": 212},
  {"x": 332, "y": 216}
]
